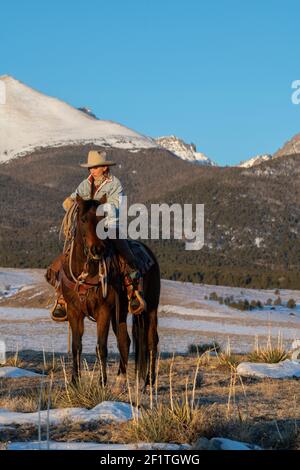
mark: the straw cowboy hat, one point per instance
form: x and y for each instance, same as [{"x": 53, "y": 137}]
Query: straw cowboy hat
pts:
[{"x": 97, "y": 158}]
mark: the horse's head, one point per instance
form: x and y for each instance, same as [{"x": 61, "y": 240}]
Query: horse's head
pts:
[{"x": 87, "y": 223}]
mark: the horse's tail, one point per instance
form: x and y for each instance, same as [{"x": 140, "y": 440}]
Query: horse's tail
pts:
[{"x": 140, "y": 345}]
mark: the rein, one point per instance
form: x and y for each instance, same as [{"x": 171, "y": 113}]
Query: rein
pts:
[{"x": 81, "y": 280}]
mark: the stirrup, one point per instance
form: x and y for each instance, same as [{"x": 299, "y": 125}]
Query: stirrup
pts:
[
  {"x": 142, "y": 304},
  {"x": 134, "y": 285},
  {"x": 63, "y": 318}
]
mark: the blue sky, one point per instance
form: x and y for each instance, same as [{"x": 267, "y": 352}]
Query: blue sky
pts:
[{"x": 215, "y": 73}]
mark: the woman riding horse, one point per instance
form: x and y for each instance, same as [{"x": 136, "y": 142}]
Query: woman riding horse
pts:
[
  {"x": 100, "y": 182},
  {"x": 93, "y": 286}
]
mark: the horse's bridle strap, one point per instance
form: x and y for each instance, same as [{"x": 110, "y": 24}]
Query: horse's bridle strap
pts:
[{"x": 80, "y": 287}]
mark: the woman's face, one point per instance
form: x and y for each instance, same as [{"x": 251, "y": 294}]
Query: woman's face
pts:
[{"x": 98, "y": 171}]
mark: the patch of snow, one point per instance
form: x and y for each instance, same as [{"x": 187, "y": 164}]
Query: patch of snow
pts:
[
  {"x": 12, "y": 282},
  {"x": 197, "y": 312},
  {"x": 280, "y": 370},
  {"x": 181, "y": 291},
  {"x": 34, "y": 295},
  {"x": 296, "y": 344},
  {"x": 228, "y": 444},
  {"x": 2, "y": 352},
  {"x": 226, "y": 328},
  {"x": 17, "y": 313},
  {"x": 295, "y": 349},
  {"x": 258, "y": 241},
  {"x": 105, "y": 411},
  {"x": 53, "y": 445},
  {"x": 33, "y": 329},
  {"x": 15, "y": 372}
]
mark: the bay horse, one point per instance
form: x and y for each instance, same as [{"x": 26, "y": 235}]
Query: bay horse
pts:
[{"x": 111, "y": 306}]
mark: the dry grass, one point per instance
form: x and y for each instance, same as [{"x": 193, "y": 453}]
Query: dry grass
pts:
[
  {"x": 177, "y": 425},
  {"x": 32, "y": 398},
  {"x": 14, "y": 360},
  {"x": 88, "y": 392}
]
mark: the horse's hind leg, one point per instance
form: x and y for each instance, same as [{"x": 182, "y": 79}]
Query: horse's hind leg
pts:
[
  {"x": 103, "y": 321},
  {"x": 77, "y": 327},
  {"x": 152, "y": 338}
]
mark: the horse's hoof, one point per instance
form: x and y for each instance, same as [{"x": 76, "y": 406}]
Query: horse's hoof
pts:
[
  {"x": 75, "y": 382},
  {"x": 146, "y": 386}
]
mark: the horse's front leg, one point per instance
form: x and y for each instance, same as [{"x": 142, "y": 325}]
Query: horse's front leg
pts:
[
  {"x": 120, "y": 329},
  {"x": 103, "y": 320},
  {"x": 77, "y": 327}
]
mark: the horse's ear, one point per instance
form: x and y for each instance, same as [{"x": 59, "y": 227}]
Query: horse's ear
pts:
[{"x": 103, "y": 200}]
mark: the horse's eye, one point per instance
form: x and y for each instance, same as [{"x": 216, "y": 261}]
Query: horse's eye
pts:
[{"x": 84, "y": 219}]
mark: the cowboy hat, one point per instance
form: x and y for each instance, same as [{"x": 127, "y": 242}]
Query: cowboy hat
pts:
[{"x": 97, "y": 158}]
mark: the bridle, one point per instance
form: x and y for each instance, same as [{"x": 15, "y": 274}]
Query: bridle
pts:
[{"x": 81, "y": 280}]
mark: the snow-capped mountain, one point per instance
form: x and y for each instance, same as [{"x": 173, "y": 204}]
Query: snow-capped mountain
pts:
[
  {"x": 30, "y": 120},
  {"x": 257, "y": 160},
  {"x": 183, "y": 150}
]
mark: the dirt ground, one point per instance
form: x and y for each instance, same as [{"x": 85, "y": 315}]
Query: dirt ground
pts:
[{"x": 265, "y": 412}]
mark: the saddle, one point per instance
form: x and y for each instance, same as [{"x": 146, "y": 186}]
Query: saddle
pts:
[{"x": 143, "y": 258}]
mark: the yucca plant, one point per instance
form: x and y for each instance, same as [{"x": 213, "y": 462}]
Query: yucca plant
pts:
[
  {"x": 227, "y": 358},
  {"x": 269, "y": 354}
]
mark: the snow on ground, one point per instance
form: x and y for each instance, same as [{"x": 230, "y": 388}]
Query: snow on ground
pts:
[
  {"x": 184, "y": 293},
  {"x": 107, "y": 411},
  {"x": 24, "y": 328},
  {"x": 185, "y": 317},
  {"x": 32, "y": 328},
  {"x": 216, "y": 443},
  {"x": 53, "y": 445},
  {"x": 221, "y": 443},
  {"x": 282, "y": 370},
  {"x": 227, "y": 329},
  {"x": 11, "y": 281},
  {"x": 30, "y": 120},
  {"x": 16, "y": 372}
]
